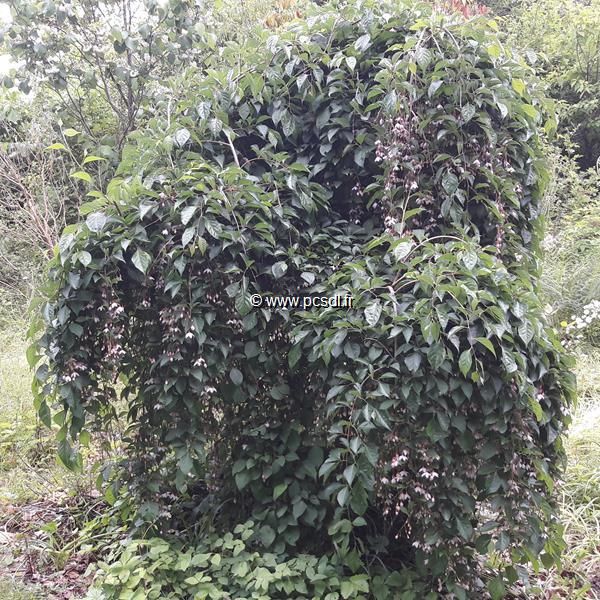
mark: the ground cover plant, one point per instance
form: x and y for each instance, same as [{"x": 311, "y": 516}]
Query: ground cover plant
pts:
[{"x": 383, "y": 152}]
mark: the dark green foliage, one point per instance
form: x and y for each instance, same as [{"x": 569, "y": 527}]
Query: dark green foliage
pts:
[{"x": 389, "y": 156}]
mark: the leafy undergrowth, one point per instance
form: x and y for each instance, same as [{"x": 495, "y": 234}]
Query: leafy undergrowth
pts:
[{"x": 46, "y": 542}]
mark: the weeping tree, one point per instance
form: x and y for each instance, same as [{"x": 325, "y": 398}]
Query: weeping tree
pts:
[{"x": 382, "y": 152}]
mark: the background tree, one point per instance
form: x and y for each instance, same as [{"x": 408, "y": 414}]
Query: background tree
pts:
[
  {"x": 566, "y": 36},
  {"x": 106, "y": 53}
]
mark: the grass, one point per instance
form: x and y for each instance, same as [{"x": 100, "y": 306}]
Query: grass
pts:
[
  {"x": 14, "y": 590},
  {"x": 579, "y": 494},
  {"x": 29, "y": 472},
  {"x": 28, "y": 465},
  {"x": 18, "y": 426},
  {"x": 30, "y": 475}
]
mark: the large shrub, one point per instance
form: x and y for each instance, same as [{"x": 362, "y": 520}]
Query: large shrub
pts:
[{"x": 377, "y": 151}]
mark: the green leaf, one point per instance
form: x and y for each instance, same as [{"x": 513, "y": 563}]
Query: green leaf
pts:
[
  {"x": 373, "y": 312},
  {"x": 93, "y": 206},
  {"x": 434, "y": 86},
  {"x": 508, "y": 361},
  {"x": 547, "y": 560},
  {"x": 95, "y": 221},
  {"x": 482, "y": 543},
  {"x": 361, "y": 583},
  {"x": 141, "y": 260},
  {"x": 236, "y": 376},
  {"x": 465, "y": 361},
  {"x": 402, "y": 250},
  {"x": 294, "y": 355},
  {"x": 82, "y": 175},
  {"x": 243, "y": 303},
  {"x": 494, "y": 50},
  {"x": 464, "y": 528},
  {"x": 267, "y": 535},
  {"x": 525, "y": 330},
  {"x": 251, "y": 349},
  {"x": 487, "y": 343},
  {"x": 240, "y": 569},
  {"x": 279, "y": 269},
  {"x": 279, "y": 489},
  {"x": 413, "y": 361},
  {"x": 71, "y": 132},
  {"x": 390, "y": 101},
  {"x": 488, "y": 450},
  {"x": 57, "y": 146},
  {"x": 518, "y": 86},
  {"x": 503, "y": 541},
  {"x": 423, "y": 57},
  {"x": 67, "y": 455},
  {"x": 530, "y": 111},
  {"x": 91, "y": 158},
  {"x": 346, "y": 589},
  {"x": 343, "y": 496},
  {"x": 76, "y": 328},
  {"x": 469, "y": 259},
  {"x": 352, "y": 349},
  {"x": 188, "y": 236},
  {"x": 496, "y": 588},
  {"x": 202, "y": 245},
  {"x": 187, "y": 213},
  {"x": 444, "y": 420},
  {"x": 350, "y": 473},
  {"x": 84, "y": 257},
  {"x": 467, "y": 112},
  {"x": 363, "y": 42},
  {"x": 308, "y": 277},
  {"x": 299, "y": 509},
  {"x": 44, "y": 414},
  {"x": 242, "y": 479},
  {"x": 536, "y": 407},
  {"x": 181, "y": 136},
  {"x": 359, "y": 501},
  {"x": 186, "y": 464},
  {"x": 450, "y": 182},
  {"x": 315, "y": 457},
  {"x": 32, "y": 355}
]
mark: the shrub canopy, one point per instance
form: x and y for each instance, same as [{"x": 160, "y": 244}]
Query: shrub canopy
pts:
[{"x": 378, "y": 151}]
